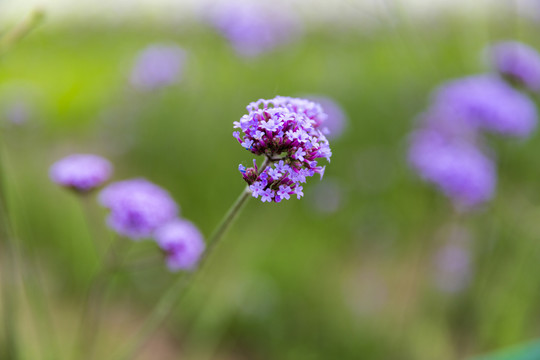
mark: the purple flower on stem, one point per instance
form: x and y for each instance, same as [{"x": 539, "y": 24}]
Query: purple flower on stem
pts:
[
  {"x": 518, "y": 62},
  {"x": 138, "y": 207},
  {"x": 462, "y": 172},
  {"x": 81, "y": 172},
  {"x": 287, "y": 132},
  {"x": 485, "y": 102},
  {"x": 182, "y": 243},
  {"x": 157, "y": 66}
]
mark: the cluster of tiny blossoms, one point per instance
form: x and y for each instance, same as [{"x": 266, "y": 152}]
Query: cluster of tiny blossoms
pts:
[
  {"x": 138, "y": 208},
  {"x": 287, "y": 131},
  {"x": 448, "y": 147}
]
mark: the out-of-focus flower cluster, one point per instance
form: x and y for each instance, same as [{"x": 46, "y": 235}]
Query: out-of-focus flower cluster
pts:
[
  {"x": 138, "y": 208},
  {"x": 157, "y": 66},
  {"x": 81, "y": 172},
  {"x": 254, "y": 27},
  {"x": 448, "y": 148},
  {"x": 287, "y": 131},
  {"x": 518, "y": 62}
]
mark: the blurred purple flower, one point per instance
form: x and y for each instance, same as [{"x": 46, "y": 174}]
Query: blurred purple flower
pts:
[
  {"x": 138, "y": 207},
  {"x": 459, "y": 168},
  {"x": 182, "y": 243},
  {"x": 518, "y": 62},
  {"x": 286, "y": 131},
  {"x": 81, "y": 172},
  {"x": 157, "y": 66},
  {"x": 18, "y": 112},
  {"x": 254, "y": 27},
  {"x": 486, "y": 102},
  {"x": 336, "y": 119}
]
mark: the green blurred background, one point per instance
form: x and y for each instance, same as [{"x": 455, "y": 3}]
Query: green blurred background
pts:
[{"x": 290, "y": 280}]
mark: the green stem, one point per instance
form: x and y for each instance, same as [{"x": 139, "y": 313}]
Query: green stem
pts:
[
  {"x": 20, "y": 31},
  {"x": 9, "y": 277},
  {"x": 167, "y": 302},
  {"x": 92, "y": 303}
]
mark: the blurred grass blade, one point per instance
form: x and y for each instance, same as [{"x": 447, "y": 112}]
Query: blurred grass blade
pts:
[{"x": 14, "y": 35}]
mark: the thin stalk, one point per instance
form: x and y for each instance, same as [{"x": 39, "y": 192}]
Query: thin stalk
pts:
[
  {"x": 167, "y": 302},
  {"x": 20, "y": 30},
  {"x": 93, "y": 299}
]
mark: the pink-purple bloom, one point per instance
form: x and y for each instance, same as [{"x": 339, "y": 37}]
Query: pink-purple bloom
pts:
[
  {"x": 157, "y": 66},
  {"x": 138, "y": 207},
  {"x": 254, "y": 27},
  {"x": 81, "y": 172},
  {"x": 182, "y": 244},
  {"x": 518, "y": 62},
  {"x": 287, "y": 131},
  {"x": 459, "y": 168},
  {"x": 487, "y": 103}
]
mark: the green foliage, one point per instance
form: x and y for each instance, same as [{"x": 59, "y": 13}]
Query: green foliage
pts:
[{"x": 288, "y": 282}]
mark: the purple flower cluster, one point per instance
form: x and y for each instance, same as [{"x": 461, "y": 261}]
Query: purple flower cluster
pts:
[
  {"x": 157, "y": 66},
  {"x": 254, "y": 27},
  {"x": 81, "y": 172},
  {"x": 488, "y": 103},
  {"x": 138, "y": 207},
  {"x": 141, "y": 209},
  {"x": 182, "y": 244},
  {"x": 448, "y": 148},
  {"x": 287, "y": 132},
  {"x": 460, "y": 169},
  {"x": 518, "y": 62}
]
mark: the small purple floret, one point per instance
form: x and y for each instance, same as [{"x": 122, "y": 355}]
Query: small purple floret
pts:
[
  {"x": 157, "y": 66},
  {"x": 182, "y": 243},
  {"x": 138, "y": 207},
  {"x": 81, "y": 172},
  {"x": 518, "y": 62}
]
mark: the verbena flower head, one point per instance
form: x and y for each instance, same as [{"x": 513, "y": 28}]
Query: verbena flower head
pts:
[
  {"x": 157, "y": 66},
  {"x": 81, "y": 172},
  {"x": 459, "y": 168},
  {"x": 518, "y": 62},
  {"x": 182, "y": 243},
  {"x": 486, "y": 102},
  {"x": 138, "y": 207},
  {"x": 254, "y": 27},
  {"x": 286, "y": 131}
]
